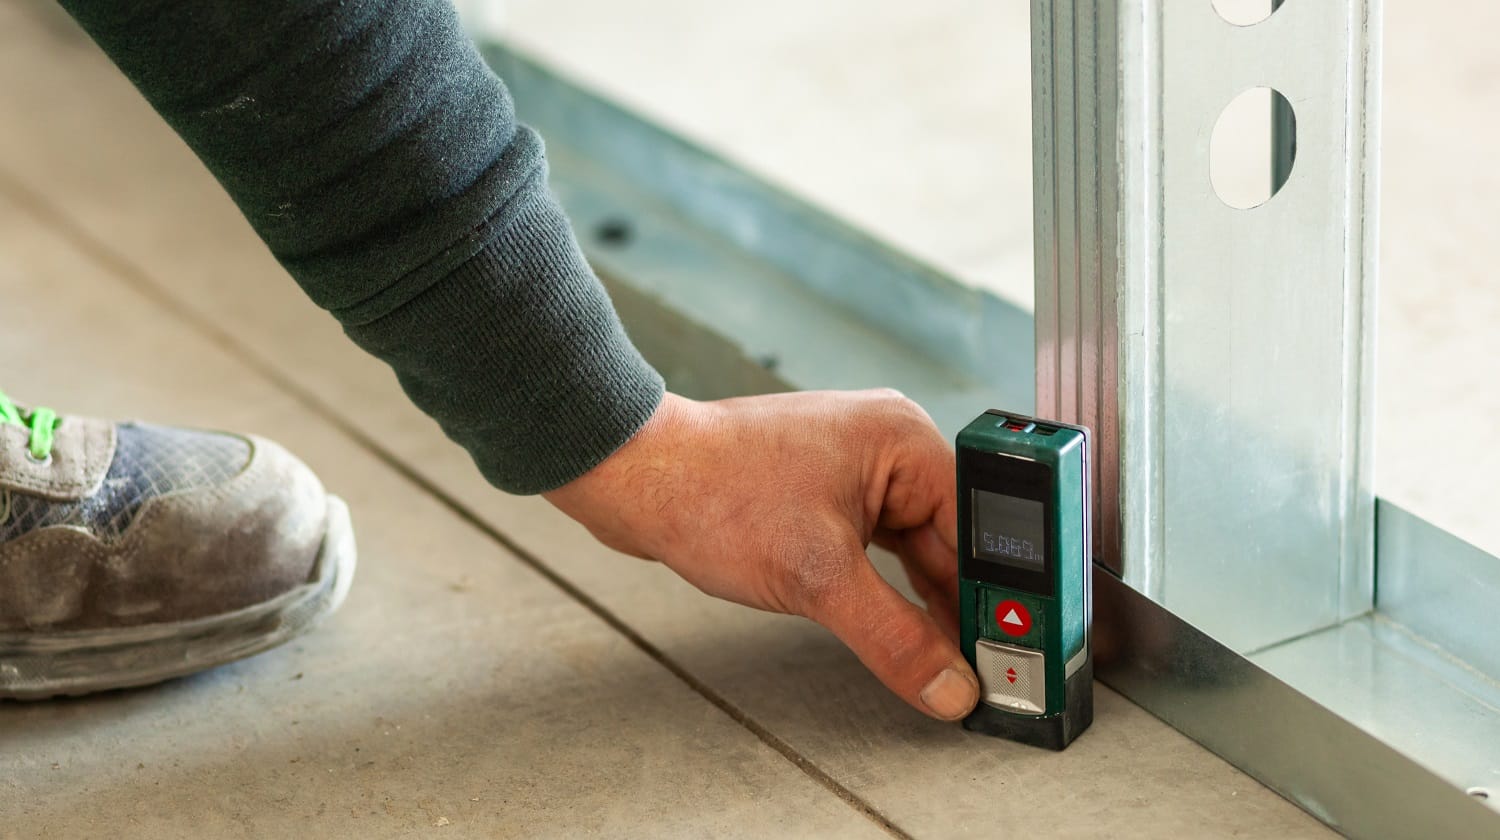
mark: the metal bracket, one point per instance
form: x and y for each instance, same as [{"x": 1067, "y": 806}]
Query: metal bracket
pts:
[{"x": 1223, "y": 356}]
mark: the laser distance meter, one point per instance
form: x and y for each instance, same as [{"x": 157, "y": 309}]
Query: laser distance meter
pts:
[{"x": 1025, "y": 605}]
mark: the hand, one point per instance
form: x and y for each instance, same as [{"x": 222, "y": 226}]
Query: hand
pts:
[{"x": 771, "y": 501}]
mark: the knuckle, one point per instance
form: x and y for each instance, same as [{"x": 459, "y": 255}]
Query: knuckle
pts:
[
  {"x": 902, "y": 406},
  {"x": 890, "y": 407},
  {"x": 890, "y": 394}
]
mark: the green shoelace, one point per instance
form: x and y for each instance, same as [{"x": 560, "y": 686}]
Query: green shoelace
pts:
[{"x": 40, "y": 421}]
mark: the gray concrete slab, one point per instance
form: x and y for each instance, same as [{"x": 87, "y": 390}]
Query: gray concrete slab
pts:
[
  {"x": 457, "y": 690},
  {"x": 151, "y": 207}
]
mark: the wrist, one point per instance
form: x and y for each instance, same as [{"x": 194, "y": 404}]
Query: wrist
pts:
[{"x": 647, "y": 454}]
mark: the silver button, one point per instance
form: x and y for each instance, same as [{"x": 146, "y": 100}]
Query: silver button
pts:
[{"x": 1011, "y": 678}]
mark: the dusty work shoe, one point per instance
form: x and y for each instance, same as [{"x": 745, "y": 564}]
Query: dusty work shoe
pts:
[{"x": 130, "y": 553}]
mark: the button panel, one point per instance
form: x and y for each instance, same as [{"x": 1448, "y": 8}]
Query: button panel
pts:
[
  {"x": 1011, "y": 678},
  {"x": 995, "y": 607}
]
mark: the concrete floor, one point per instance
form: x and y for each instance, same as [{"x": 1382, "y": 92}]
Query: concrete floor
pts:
[{"x": 494, "y": 672}]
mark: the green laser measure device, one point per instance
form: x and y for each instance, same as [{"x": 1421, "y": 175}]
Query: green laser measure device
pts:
[{"x": 1024, "y": 552}]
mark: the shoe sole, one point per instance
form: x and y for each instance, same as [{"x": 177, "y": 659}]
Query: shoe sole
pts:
[{"x": 36, "y": 666}]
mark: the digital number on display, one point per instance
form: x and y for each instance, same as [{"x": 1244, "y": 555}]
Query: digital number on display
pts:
[{"x": 1007, "y": 546}]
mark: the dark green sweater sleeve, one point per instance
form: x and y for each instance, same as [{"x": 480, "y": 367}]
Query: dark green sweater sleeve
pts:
[{"x": 380, "y": 160}]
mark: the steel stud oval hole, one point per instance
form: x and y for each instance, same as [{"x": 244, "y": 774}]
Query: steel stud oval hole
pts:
[
  {"x": 1253, "y": 147},
  {"x": 1245, "y": 12}
]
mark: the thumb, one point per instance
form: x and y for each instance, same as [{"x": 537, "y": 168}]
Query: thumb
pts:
[{"x": 900, "y": 643}]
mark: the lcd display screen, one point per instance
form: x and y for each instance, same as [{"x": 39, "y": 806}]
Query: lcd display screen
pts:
[{"x": 1009, "y": 531}]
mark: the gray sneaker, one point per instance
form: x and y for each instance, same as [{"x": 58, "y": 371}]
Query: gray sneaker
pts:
[{"x": 131, "y": 554}]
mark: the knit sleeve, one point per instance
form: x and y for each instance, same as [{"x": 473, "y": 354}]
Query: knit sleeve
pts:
[{"x": 380, "y": 160}]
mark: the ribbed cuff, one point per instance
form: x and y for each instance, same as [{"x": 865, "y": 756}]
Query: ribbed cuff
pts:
[{"x": 519, "y": 356}]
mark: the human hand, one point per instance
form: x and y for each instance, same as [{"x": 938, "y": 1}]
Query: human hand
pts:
[{"x": 771, "y": 502}]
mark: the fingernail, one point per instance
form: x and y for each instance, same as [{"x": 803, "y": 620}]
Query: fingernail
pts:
[{"x": 950, "y": 695}]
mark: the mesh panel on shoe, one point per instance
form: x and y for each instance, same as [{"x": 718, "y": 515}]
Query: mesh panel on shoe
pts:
[{"x": 150, "y": 461}]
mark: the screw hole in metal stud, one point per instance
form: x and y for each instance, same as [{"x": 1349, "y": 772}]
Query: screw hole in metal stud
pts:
[{"x": 614, "y": 232}]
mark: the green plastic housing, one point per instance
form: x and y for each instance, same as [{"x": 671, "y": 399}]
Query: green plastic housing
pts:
[{"x": 1061, "y": 617}]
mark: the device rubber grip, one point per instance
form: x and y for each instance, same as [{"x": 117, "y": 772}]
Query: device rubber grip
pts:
[{"x": 1053, "y": 732}]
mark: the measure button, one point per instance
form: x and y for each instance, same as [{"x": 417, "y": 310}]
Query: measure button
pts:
[
  {"x": 1013, "y": 618},
  {"x": 1011, "y": 678}
]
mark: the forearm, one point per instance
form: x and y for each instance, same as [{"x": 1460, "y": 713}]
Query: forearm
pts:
[{"x": 380, "y": 160}]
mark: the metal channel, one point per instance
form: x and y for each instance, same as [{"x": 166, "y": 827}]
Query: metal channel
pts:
[
  {"x": 1403, "y": 690},
  {"x": 1441, "y": 588},
  {"x": 1337, "y": 771},
  {"x": 1223, "y": 355}
]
